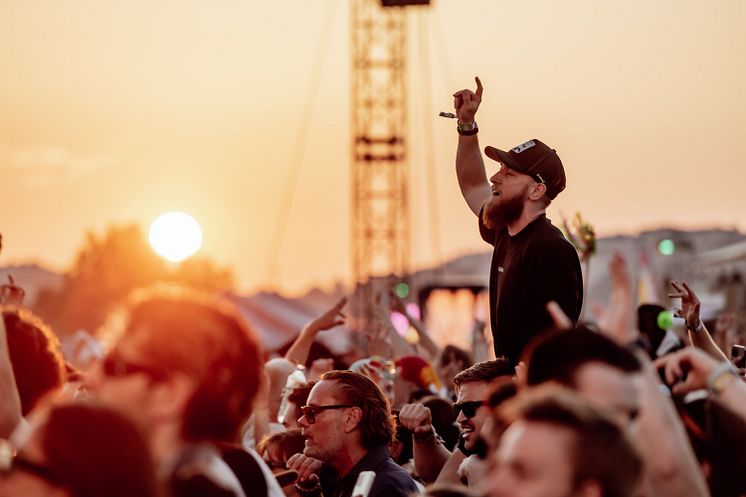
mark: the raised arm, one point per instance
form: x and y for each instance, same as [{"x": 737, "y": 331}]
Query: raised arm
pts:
[
  {"x": 469, "y": 163},
  {"x": 298, "y": 352},
  {"x": 690, "y": 306},
  {"x": 429, "y": 454}
]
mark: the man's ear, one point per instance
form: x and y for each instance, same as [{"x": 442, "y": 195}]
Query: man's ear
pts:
[
  {"x": 168, "y": 398},
  {"x": 537, "y": 191},
  {"x": 352, "y": 418}
]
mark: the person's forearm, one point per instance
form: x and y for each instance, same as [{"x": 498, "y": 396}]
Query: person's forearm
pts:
[
  {"x": 425, "y": 341},
  {"x": 470, "y": 172},
  {"x": 429, "y": 458},
  {"x": 449, "y": 473},
  {"x": 703, "y": 340},
  {"x": 671, "y": 465},
  {"x": 733, "y": 396},
  {"x": 298, "y": 351}
]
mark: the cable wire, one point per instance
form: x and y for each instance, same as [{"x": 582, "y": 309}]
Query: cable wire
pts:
[{"x": 299, "y": 146}]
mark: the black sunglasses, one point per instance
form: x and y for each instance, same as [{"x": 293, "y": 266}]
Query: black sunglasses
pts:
[
  {"x": 116, "y": 366},
  {"x": 469, "y": 408},
  {"x": 310, "y": 412},
  {"x": 11, "y": 460}
]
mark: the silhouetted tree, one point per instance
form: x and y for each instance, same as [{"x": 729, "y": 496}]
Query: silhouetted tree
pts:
[{"x": 108, "y": 268}]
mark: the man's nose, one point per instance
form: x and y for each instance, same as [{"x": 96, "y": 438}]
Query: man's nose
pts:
[{"x": 303, "y": 422}]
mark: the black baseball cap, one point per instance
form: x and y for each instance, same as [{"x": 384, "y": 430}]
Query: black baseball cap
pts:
[{"x": 536, "y": 159}]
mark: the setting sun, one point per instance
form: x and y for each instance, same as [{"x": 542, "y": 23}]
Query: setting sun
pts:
[{"x": 175, "y": 236}]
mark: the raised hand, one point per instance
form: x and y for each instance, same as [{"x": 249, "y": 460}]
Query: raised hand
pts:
[
  {"x": 330, "y": 318},
  {"x": 416, "y": 418},
  {"x": 466, "y": 102},
  {"x": 687, "y": 369},
  {"x": 690, "y": 304}
]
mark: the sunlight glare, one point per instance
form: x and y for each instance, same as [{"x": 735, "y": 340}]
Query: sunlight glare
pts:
[{"x": 175, "y": 236}]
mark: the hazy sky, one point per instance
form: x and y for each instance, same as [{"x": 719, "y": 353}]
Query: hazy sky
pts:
[{"x": 114, "y": 111}]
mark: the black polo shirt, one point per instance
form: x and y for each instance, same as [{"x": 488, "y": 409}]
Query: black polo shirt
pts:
[
  {"x": 391, "y": 479},
  {"x": 528, "y": 270}
]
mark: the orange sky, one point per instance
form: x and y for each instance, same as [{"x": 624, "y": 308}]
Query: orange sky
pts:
[{"x": 115, "y": 111}]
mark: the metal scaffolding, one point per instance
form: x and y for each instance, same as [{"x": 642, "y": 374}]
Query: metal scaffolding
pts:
[{"x": 380, "y": 214}]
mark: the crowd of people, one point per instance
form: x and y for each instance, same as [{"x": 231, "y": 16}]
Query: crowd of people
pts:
[{"x": 186, "y": 402}]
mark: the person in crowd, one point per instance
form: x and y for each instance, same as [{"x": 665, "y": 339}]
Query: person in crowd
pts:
[
  {"x": 276, "y": 449},
  {"x": 433, "y": 461},
  {"x": 79, "y": 450},
  {"x": 296, "y": 399},
  {"x": 348, "y": 428},
  {"x": 270, "y": 401},
  {"x": 413, "y": 377},
  {"x": 693, "y": 369},
  {"x": 715, "y": 415},
  {"x": 601, "y": 371},
  {"x": 690, "y": 308},
  {"x": 32, "y": 365},
  {"x": 380, "y": 371},
  {"x": 452, "y": 361},
  {"x": 611, "y": 377},
  {"x": 657, "y": 338},
  {"x": 557, "y": 445},
  {"x": 187, "y": 369},
  {"x": 532, "y": 262}
]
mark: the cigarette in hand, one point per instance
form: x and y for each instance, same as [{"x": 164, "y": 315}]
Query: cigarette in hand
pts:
[{"x": 449, "y": 115}]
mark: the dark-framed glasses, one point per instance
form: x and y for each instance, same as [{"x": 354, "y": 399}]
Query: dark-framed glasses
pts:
[
  {"x": 469, "y": 408},
  {"x": 310, "y": 412},
  {"x": 11, "y": 460},
  {"x": 115, "y": 366}
]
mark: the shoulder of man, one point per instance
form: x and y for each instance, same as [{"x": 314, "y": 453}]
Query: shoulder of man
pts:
[{"x": 392, "y": 480}]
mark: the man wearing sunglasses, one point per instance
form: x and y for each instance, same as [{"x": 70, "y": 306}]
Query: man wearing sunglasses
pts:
[
  {"x": 348, "y": 427},
  {"x": 473, "y": 387}
]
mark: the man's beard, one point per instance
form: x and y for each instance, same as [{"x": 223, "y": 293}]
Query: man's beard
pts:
[{"x": 504, "y": 211}]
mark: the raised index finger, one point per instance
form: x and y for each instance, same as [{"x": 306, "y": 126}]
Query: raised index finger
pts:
[{"x": 480, "y": 88}]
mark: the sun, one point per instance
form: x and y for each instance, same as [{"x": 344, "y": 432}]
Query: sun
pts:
[{"x": 175, "y": 236}]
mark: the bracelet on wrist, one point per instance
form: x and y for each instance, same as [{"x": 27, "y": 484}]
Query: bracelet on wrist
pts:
[
  {"x": 694, "y": 328},
  {"x": 720, "y": 377},
  {"x": 467, "y": 129},
  {"x": 423, "y": 437}
]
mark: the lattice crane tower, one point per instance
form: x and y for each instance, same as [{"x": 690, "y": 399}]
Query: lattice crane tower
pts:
[{"x": 380, "y": 213}]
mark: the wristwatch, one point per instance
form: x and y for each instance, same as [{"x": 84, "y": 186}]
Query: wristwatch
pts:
[{"x": 467, "y": 129}]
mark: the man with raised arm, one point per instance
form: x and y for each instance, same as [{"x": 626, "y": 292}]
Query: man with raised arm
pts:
[{"x": 532, "y": 262}]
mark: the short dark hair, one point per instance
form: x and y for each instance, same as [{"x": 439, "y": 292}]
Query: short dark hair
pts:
[
  {"x": 289, "y": 442},
  {"x": 299, "y": 394},
  {"x": 602, "y": 452},
  {"x": 204, "y": 338},
  {"x": 452, "y": 353},
  {"x": 35, "y": 355},
  {"x": 484, "y": 371},
  {"x": 376, "y": 424},
  {"x": 97, "y": 451},
  {"x": 559, "y": 355}
]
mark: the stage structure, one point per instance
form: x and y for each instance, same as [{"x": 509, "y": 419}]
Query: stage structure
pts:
[{"x": 380, "y": 213}]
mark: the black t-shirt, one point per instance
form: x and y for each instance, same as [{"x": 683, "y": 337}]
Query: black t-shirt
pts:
[{"x": 528, "y": 270}]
